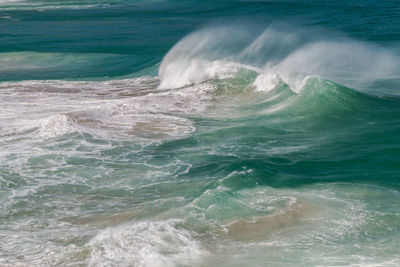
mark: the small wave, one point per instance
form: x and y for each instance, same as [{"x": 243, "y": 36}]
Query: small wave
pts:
[
  {"x": 65, "y": 4},
  {"x": 9, "y": 1},
  {"x": 35, "y": 65}
]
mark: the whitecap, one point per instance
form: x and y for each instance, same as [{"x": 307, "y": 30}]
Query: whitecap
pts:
[{"x": 146, "y": 243}]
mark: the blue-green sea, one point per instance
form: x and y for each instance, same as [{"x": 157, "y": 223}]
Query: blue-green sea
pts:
[{"x": 199, "y": 133}]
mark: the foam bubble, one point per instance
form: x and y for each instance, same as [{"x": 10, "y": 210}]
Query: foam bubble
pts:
[
  {"x": 266, "y": 82},
  {"x": 158, "y": 243},
  {"x": 54, "y": 125}
]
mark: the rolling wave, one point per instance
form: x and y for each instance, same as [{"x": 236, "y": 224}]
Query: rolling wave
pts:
[{"x": 277, "y": 55}]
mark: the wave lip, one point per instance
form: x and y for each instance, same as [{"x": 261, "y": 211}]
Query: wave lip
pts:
[{"x": 292, "y": 57}]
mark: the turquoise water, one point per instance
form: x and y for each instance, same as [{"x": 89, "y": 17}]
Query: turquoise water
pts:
[{"x": 199, "y": 133}]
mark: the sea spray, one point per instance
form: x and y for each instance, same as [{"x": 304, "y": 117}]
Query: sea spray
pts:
[
  {"x": 148, "y": 140},
  {"x": 277, "y": 55}
]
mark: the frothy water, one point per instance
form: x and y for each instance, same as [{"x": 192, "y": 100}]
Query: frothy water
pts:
[
  {"x": 236, "y": 144},
  {"x": 145, "y": 244},
  {"x": 219, "y": 53}
]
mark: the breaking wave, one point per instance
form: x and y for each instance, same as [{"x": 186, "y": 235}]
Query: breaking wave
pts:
[{"x": 278, "y": 55}]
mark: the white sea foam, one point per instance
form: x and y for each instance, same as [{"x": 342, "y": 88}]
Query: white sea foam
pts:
[
  {"x": 54, "y": 125},
  {"x": 157, "y": 243},
  {"x": 9, "y": 1},
  {"x": 267, "y": 81},
  {"x": 195, "y": 71},
  {"x": 202, "y": 56},
  {"x": 49, "y": 5},
  {"x": 130, "y": 108}
]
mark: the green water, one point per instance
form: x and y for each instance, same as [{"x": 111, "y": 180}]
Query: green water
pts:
[{"x": 212, "y": 133}]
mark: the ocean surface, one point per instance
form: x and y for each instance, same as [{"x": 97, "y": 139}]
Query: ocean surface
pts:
[{"x": 199, "y": 133}]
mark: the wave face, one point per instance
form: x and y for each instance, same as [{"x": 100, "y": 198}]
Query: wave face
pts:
[{"x": 129, "y": 136}]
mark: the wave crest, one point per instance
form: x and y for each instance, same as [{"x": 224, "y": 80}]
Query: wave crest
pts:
[{"x": 291, "y": 55}]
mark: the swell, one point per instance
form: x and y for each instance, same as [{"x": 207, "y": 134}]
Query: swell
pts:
[{"x": 16, "y": 66}]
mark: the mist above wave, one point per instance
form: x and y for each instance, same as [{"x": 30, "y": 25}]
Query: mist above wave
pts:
[{"x": 278, "y": 54}]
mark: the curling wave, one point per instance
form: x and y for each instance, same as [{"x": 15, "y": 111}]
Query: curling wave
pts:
[{"x": 278, "y": 55}]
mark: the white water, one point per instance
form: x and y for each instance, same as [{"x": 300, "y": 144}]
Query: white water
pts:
[
  {"x": 131, "y": 107},
  {"x": 291, "y": 57},
  {"x": 145, "y": 244}
]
